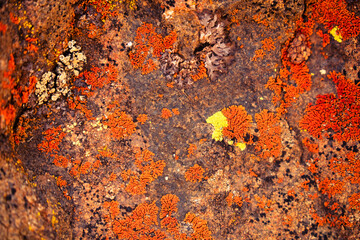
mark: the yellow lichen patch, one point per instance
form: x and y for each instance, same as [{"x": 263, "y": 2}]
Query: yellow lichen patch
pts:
[
  {"x": 219, "y": 121},
  {"x": 241, "y": 145},
  {"x": 336, "y": 34}
]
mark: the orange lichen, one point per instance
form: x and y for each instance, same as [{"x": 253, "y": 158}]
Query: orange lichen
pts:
[
  {"x": 294, "y": 79},
  {"x": 3, "y": 28},
  {"x": 269, "y": 142},
  {"x": 125, "y": 175},
  {"x": 139, "y": 224},
  {"x": 263, "y": 203},
  {"x": 201, "y": 73},
  {"x": 112, "y": 177},
  {"x": 305, "y": 185},
  {"x": 142, "y": 118},
  {"x": 98, "y": 78},
  {"x": 238, "y": 201},
  {"x": 313, "y": 168},
  {"x": 53, "y": 137},
  {"x": 231, "y": 199},
  {"x": 79, "y": 167},
  {"x": 20, "y": 135},
  {"x": 85, "y": 168},
  {"x": 148, "y": 67},
  {"x": 175, "y": 111},
  {"x": 257, "y": 18},
  {"x": 107, "y": 153},
  {"x": 340, "y": 114},
  {"x": 331, "y": 187},
  {"x": 171, "y": 224},
  {"x": 80, "y": 105},
  {"x": 27, "y": 90},
  {"x": 7, "y": 111},
  {"x": 105, "y": 8},
  {"x": 170, "y": 84},
  {"x": 168, "y": 205},
  {"x": 201, "y": 230},
  {"x": 135, "y": 186},
  {"x": 276, "y": 85},
  {"x": 354, "y": 201},
  {"x": 147, "y": 40},
  {"x": 194, "y": 173},
  {"x": 150, "y": 171},
  {"x": 268, "y": 44},
  {"x": 301, "y": 76},
  {"x": 32, "y": 48},
  {"x": 203, "y": 140},
  {"x": 95, "y": 165},
  {"x": 61, "y": 182},
  {"x": 238, "y": 122},
  {"x": 142, "y": 157},
  {"x": 121, "y": 125},
  {"x": 61, "y": 161},
  {"x": 191, "y": 150},
  {"x": 166, "y": 113},
  {"x": 259, "y": 54},
  {"x": 333, "y": 220},
  {"x": 335, "y": 13},
  {"x": 348, "y": 168},
  {"x": 252, "y": 173},
  {"x": 310, "y": 145},
  {"x": 325, "y": 37},
  {"x": 14, "y": 19},
  {"x": 291, "y": 192},
  {"x": 113, "y": 208}
]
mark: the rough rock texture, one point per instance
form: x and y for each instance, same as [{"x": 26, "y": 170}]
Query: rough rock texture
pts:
[{"x": 127, "y": 153}]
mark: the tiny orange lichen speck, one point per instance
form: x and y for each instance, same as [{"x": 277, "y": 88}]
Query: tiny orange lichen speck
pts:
[
  {"x": 191, "y": 150},
  {"x": 175, "y": 111},
  {"x": 142, "y": 118},
  {"x": 170, "y": 84},
  {"x": 61, "y": 182},
  {"x": 166, "y": 113}
]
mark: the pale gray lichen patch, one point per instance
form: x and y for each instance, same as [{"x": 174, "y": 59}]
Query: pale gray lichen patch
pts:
[{"x": 54, "y": 85}]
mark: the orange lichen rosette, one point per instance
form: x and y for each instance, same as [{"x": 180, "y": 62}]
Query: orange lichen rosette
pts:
[
  {"x": 194, "y": 174},
  {"x": 238, "y": 122}
]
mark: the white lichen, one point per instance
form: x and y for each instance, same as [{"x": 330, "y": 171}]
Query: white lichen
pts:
[{"x": 54, "y": 85}]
